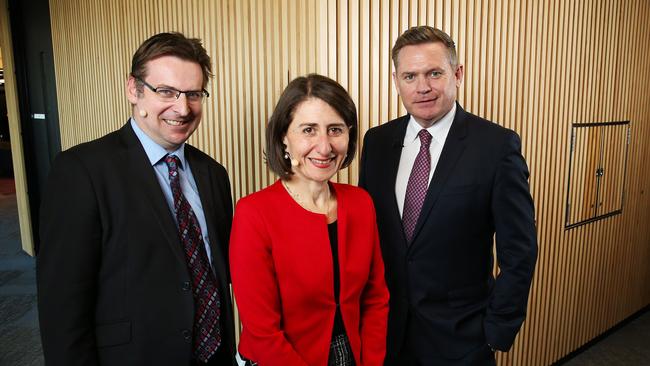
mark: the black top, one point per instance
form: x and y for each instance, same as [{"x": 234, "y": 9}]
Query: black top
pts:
[{"x": 339, "y": 328}]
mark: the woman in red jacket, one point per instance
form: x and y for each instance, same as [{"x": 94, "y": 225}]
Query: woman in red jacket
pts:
[{"x": 305, "y": 260}]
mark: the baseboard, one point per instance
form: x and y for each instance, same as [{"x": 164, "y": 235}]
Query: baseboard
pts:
[{"x": 602, "y": 336}]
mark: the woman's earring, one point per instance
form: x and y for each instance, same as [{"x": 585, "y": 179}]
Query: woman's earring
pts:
[{"x": 294, "y": 162}]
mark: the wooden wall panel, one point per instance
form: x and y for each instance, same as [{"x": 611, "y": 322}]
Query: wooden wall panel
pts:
[
  {"x": 533, "y": 66},
  {"x": 15, "y": 130}
]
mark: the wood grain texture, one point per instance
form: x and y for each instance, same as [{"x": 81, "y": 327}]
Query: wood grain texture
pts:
[
  {"x": 15, "y": 131},
  {"x": 532, "y": 66}
]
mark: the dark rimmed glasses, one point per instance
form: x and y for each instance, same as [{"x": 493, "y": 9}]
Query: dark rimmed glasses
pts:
[{"x": 167, "y": 94}]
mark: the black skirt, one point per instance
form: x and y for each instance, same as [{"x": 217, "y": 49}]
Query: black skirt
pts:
[{"x": 340, "y": 352}]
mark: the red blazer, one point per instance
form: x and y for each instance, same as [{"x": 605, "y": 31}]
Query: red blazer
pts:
[{"x": 282, "y": 276}]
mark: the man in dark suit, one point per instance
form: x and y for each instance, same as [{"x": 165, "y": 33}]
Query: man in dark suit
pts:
[
  {"x": 132, "y": 267},
  {"x": 444, "y": 182}
]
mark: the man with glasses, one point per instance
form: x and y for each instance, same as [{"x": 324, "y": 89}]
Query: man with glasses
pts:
[{"x": 134, "y": 230}]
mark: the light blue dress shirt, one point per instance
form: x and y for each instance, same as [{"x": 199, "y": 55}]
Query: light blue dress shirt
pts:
[{"x": 156, "y": 154}]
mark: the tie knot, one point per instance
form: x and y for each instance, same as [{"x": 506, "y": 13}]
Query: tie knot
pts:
[
  {"x": 425, "y": 138},
  {"x": 172, "y": 162}
]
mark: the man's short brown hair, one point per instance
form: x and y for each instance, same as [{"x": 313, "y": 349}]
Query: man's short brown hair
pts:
[
  {"x": 425, "y": 34},
  {"x": 299, "y": 90},
  {"x": 170, "y": 44}
]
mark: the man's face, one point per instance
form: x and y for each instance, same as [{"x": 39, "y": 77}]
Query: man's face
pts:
[
  {"x": 168, "y": 122},
  {"x": 426, "y": 81}
]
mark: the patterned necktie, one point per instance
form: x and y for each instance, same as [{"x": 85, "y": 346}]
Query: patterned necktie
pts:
[
  {"x": 416, "y": 189},
  {"x": 207, "y": 337}
]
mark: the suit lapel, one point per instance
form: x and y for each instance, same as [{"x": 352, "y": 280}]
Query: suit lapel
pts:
[
  {"x": 392, "y": 165},
  {"x": 203, "y": 185},
  {"x": 145, "y": 180},
  {"x": 451, "y": 152},
  {"x": 202, "y": 179},
  {"x": 342, "y": 225}
]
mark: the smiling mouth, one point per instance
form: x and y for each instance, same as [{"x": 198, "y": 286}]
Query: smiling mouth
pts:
[
  {"x": 318, "y": 162},
  {"x": 173, "y": 122}
]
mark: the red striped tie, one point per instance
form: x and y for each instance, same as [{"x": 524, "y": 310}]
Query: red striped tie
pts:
[
  {"x": 416, "y": 189},
  {"x": 207, "y": 337}
]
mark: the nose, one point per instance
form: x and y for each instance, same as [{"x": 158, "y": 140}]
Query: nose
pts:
[
  {"x": 323, "y": 145},
  {"x": 182, "y": 106},
  {"x": 423, "y": 86}
]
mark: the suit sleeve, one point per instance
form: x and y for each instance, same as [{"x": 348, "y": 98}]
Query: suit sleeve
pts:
[
  {"x": 362, "y": 162},
  {"x": 256, "y": 289},
  {"x": 226, "y": 197},
  {"x": 67, "y": 264},
  {"x": 374, "y": 306},
  {"x": 516, "y": 246}
]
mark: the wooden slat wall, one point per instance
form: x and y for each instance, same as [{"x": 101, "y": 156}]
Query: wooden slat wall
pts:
[
  {"x": 533, "y": 66},
  {"x": 15, "y": 133}
]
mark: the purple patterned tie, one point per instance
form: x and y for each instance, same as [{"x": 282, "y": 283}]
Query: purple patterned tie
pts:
[
  {"x": 207, "y": 337},
  {"x": 416, "y": 189}
]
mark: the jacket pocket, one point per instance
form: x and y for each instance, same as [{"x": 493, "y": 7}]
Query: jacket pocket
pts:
[
  {"x": 113, "y": 334},
  {"x": 467, "y": 295}
]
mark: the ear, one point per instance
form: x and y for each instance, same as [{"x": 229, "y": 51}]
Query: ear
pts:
[
  {"x": 285, "y": 141},
  {"x": 460, "y": 72},
  {"x": 131, "y": 89},
  {"x": 395, "y": 81}
]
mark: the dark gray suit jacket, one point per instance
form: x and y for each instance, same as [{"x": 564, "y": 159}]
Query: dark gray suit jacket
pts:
[
  {"x": 113, "y": 285},
  {"x": 442, "y": 284}
]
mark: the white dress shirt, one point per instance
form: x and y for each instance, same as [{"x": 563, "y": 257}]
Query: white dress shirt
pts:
[
  {"x": 156, "y": 155},
  {"x": 411, "y": 146}
]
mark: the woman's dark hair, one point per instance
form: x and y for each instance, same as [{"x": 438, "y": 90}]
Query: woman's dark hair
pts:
[{"x": 299, "y": 90}]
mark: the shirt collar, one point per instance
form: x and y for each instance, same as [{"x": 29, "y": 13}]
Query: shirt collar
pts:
[
  {"x": 438, "y": 130},
  {"x": 155, "y": 152}
]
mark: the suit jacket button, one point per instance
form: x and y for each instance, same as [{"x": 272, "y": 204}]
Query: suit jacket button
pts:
[
  {"x": 186, "y": 286},
  {"x": 187, "y": 335}
]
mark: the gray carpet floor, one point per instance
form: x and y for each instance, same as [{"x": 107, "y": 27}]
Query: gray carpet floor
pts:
[
  {"x": 629, "y": 345},
  {"x": 20, "y": 343}
]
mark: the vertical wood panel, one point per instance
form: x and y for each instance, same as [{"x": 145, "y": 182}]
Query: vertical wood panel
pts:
[
  {"x": 533, "y": 66},
  {"x": 15, "y": 130}
]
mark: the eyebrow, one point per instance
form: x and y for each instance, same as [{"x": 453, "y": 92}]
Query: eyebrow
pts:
[
  {"x": 312, "y": 124},
  {"x": 165, "y": 86},
  {"x": 307, "y": 124},
  {"x": 425, "y": 72}
]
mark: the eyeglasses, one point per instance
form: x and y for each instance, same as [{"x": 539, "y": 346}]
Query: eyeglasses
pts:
[{"x": 169, "y": 95}]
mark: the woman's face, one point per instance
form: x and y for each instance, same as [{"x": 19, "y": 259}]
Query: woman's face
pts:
[{"x": 317, "y": 138}]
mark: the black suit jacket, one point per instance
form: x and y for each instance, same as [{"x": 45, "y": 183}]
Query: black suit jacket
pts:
[
  {"x": 442, "y": 283},
  {"x": 113, "y": 285}
]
